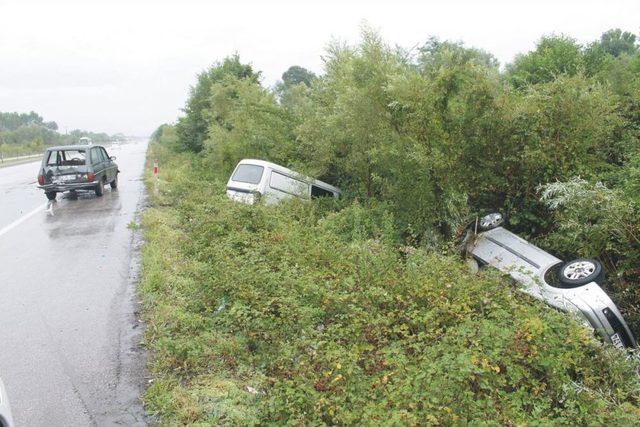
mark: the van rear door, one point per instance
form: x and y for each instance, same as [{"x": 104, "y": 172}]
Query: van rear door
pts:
[{"x": 245, "y": 183}]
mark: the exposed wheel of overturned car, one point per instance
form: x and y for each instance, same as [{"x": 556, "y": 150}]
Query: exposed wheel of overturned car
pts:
[
  {"x": 580, "y": 272},
  {"x": 491, "y": 221}
]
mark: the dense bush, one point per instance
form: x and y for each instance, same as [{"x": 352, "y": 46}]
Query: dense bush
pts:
[
  {"x": 310, "y": 313},
  {"x": 351, "y": 312}
]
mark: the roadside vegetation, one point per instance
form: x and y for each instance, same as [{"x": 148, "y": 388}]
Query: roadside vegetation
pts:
[
  {"x": 27, "y": 133},
  {"x": 358, "y": 311}
]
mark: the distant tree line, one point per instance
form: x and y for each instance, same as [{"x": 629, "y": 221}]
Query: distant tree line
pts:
[{"x": 25, "y": 133}]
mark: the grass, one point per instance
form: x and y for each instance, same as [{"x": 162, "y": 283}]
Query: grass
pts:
[{"x": 311, "y": 313}]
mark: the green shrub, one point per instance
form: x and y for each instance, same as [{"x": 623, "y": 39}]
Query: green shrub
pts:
[{"x": 308, "y": 313}]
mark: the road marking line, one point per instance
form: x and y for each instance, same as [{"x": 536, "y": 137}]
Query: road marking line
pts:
[{"x": 19, "y": 221}]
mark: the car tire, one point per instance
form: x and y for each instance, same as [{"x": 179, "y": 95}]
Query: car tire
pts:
[
  {"x": 51, "y": 195},
  {"x": 114, "y": 183},
  {"x": 580, "y": 272},
  {"x": 491, "y": 221},
  {"x": 100, "y": 189}
]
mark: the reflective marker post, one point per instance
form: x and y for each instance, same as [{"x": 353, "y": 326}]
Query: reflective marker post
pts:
[{"x": 155, "y": 177}]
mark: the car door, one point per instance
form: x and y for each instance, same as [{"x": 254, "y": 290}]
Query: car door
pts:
[
  {"x": 110, "y": 165},
  {"x": 97, "y": 163}
]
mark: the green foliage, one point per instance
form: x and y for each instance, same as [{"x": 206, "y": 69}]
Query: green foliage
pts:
[
  {"x": 192, "y": 128},
  {"x": 308, "y": 313},
  {"x": 554, "y": 56},
  {"x": 616, "y": 42},
  {"x": 13, "y": 121},
  {"x": 296, "y": 75},
  {"x": 167, "y": 136},
  {"x": 347, "y": 312},
  {"x": 28, "y": 133},
  {"x": 435, "y": 134},
  {"x": 436, "y": 53},
  {"x": 249, "y": 124}
]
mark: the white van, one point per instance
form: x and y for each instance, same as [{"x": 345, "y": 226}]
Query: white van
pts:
[{"x": 255, "y": 179}]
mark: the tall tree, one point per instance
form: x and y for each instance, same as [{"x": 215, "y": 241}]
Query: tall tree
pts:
[
  {"x": 192, "y": 128},
  {"x": 296, "y": 75},
  {"x": 553, "y": 56},
  {"x": 616, "y": 42}
]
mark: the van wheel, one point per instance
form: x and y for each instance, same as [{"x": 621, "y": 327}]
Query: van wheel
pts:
[
  {"x": 100, "y": 189},
  {"x": 114, "y": 183},
  {"x": 491, "y": 221},
  {"x": 580, "y": 272},
  {"x": 51, "y": 195}
]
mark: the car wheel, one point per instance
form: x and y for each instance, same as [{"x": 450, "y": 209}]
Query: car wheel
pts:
[
  {"x": 100, "y": 189},
  {"x": 491, "y": 221},
  {"x": 580, "y": 272},
  {"x": 51, "y": 195},
  {"x": 114, "y": 183}
]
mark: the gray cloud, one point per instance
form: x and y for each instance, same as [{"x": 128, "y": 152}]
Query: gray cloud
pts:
[{"x": 125, "y": 66}]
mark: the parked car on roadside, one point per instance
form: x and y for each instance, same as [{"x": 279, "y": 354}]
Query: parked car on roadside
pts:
[
  {"x": 77, "y": 167},
  {"x": 253, "y": 180},
  {"x": 6, "y": 420},
  {"x": 571, "y": 287}
]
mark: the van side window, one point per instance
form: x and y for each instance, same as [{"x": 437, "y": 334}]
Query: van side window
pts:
[
  {"x": 289, "y": 185},
  {"x": 317, "y": 192}
]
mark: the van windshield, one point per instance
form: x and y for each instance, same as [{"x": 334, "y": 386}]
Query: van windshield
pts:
[{"x": 250, "y": 174}]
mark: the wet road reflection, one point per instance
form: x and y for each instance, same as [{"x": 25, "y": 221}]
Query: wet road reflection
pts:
[
  {"x": 69, "y": 351},
  {"x": 90, "y": 215}
]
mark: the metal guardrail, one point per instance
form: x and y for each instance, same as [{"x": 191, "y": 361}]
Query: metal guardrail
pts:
[{"x": 18, "y": 158}]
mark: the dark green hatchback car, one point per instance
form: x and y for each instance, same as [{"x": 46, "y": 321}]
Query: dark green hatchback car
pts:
[{"x": 77, "y": 167}]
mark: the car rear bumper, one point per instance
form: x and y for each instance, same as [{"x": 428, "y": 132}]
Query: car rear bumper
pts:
[
  {"x": 603, "y": 315},
  {"x": 68, "y": 186}
]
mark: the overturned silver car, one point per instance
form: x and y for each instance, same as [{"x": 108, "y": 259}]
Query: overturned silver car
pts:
[{"x": 571, "y": 287}]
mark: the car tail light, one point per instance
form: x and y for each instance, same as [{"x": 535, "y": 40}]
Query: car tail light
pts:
[
  {"x": 90, "y": 176},
  {"x": 41, "y": 179}
]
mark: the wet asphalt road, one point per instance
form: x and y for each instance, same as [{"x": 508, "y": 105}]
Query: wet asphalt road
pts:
[{"x": 69, "y": 337}]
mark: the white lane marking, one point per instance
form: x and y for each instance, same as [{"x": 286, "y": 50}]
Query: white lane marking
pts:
[{"x": 20, "y": 220}]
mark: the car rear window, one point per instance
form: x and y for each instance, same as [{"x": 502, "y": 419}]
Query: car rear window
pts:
[
  {"x": 250, "y": 174},
  {"x": 66, "y": 158}
]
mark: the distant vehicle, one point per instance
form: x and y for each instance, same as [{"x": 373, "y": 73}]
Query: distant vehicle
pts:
[
  {"x": 253, "y": 180},
  {"x": 571, "y": 287},
  {"x": 77, "y": 167},
  {"x": 85, "y": 140},
  {"x": 6, "y": 420}
]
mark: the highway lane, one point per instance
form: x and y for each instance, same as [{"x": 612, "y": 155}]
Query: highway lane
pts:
[
  {"x": 69, "y": 337},
  {"x": 18, "y": 192}
]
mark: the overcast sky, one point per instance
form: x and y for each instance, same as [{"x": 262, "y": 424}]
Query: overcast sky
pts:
[{"x": 126, "y": 66}]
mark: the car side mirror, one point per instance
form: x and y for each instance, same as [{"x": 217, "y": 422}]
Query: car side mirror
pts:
[{"x": 112, "y": 157}]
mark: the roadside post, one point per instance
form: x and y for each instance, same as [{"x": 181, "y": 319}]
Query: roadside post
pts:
[{"x": 155, "y": 177}]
